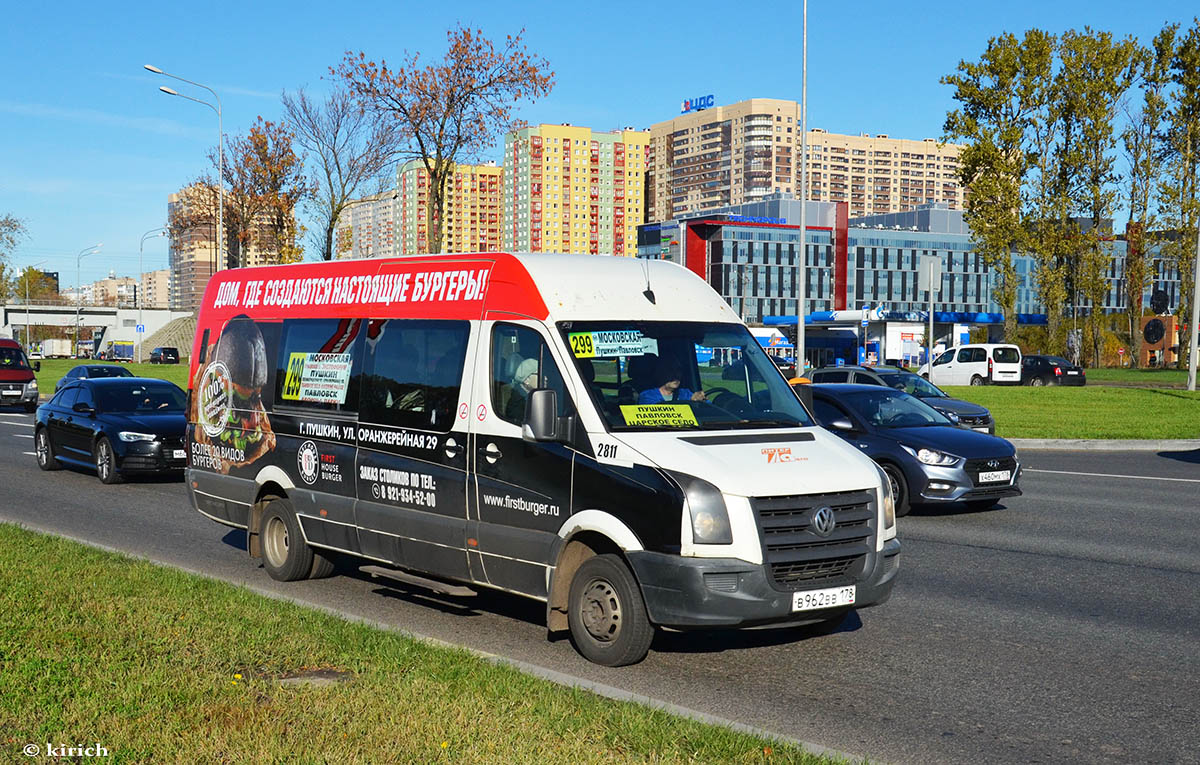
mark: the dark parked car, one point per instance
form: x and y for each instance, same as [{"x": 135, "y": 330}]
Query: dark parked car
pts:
[
  {"x": 926, "y": 457},
  {"x": 1050, "y": 370},
  {"x": 116, "y": 425},
  {"x": 164, "y": 355},
  {"x": 786, "y": 366},
  {"x": 971, "y": 416},
  {"x": 91, "y": 372}
]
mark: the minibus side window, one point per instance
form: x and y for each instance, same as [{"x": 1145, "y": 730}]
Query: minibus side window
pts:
[
  {"x": 319, "y": 364},
  {"x": 412, "y": 373},
  {"x": 521, "y": 362}
]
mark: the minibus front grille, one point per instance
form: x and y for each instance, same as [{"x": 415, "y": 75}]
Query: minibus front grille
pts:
[{"x": 796, "y": 555}]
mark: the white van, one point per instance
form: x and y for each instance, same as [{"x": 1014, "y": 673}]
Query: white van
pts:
[
  {"x": 976, "y": 364},
  {"x": 554, "y": 426}
]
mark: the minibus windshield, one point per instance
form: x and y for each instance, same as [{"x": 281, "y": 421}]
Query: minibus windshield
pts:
[{"x": 680, "y": 376}]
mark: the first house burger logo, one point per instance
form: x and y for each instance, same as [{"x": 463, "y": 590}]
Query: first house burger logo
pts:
[
  {"x": 215, "y": 399},
  {"x": 308, "y": 458}
]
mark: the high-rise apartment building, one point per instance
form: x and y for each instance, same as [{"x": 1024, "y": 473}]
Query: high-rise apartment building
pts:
[
  {"x": 366, "y": 228},
  {"x": 472, "y": 208},
  {"x": 192, "y": 254},
  {"x": 740, "y": 153},
  {"x": 156, "y": 288},
  {"x": 569, "y": 189}
]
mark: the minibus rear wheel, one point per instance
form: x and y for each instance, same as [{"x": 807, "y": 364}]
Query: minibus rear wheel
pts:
[
  {"x": 286, "y": 556},
  {"x": 607, "y": 614}
]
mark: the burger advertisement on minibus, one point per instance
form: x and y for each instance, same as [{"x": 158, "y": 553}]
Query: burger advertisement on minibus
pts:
[{"x": 233, "y": 429}]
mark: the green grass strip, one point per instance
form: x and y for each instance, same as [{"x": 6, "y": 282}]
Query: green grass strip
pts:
[
  {"x": 1093, "y": 411},
  {"x": 157, "y": 665},
  {"x": 53, "y": 369}
]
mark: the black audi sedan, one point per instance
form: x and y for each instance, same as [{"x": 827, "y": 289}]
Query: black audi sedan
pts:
[
  {"x": 91, "y": 372},
  {"x": 927, "y": 458},
  {"x": 968, "y": 415},
  {"x": 1050, "y": 370},
  {"x": 115, "y": 425}
]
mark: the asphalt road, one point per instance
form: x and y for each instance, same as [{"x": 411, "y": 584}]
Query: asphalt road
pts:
[{"x": 1062, "y": 627}]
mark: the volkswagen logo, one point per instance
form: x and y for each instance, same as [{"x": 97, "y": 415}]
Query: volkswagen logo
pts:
[
  {"x": 823, "y": 521},
  {"x": 993, "y": 464}
]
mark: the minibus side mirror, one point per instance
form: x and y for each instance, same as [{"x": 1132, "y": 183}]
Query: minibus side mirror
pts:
[
  {"x": 37, "y": 366},
  {"x": 543, "y": 422}
]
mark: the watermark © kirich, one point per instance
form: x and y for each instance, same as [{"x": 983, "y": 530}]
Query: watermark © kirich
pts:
[{"x": 64, "y": 750}]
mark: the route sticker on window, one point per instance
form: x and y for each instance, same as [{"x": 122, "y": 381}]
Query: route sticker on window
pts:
[
  {"x": 659, "y": 415},
  {"x": 320, "y": 378},
  {"x": 588, "y": 345}
]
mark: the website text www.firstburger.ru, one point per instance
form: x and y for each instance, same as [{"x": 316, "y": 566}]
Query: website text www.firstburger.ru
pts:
[{"x": 522, "y": 504}]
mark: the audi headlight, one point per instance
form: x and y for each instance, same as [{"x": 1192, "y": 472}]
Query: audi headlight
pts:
[
  {"x": 889, "y": 500},
  {"x": 932, "y": 456},
  {"x": 130, "y": 436},
  {"x": 706, "y": 507}
]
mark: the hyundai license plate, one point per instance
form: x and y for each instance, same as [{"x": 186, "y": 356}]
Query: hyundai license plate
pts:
[
  {"x": 828, "y": 598},
  {"x": 994, "y": 476},
  {"x": 179, "y": 454}
]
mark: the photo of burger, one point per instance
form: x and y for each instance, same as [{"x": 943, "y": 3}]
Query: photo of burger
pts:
[{"x": 235, "y": 427}]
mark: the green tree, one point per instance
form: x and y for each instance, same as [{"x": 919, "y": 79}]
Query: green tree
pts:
[
  {"x": 1178, "y": 195},
  {"x": 451, "y": 110},
  {"x": 1096, "y": 73},
  {"x": 1143, "y": 152},
  {"x": 12, "y": 230},
  {"x": 1047, "y": 193},
  {"x": 997, "y": 99}
]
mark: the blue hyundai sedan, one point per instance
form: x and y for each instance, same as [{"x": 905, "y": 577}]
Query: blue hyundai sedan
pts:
[
  {"x": 116, "y": 425},
  {"x": 928, "y": 459}
]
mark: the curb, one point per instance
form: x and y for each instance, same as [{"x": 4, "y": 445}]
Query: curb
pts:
[
  {"x": 545, "y": 673},
  {"x": 1099, "y": 445}
]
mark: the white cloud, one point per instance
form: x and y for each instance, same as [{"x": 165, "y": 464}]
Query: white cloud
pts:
[{"x": 96, "y": 117}]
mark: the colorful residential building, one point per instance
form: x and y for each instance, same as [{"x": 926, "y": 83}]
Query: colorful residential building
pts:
[
  {"x": 472, "y": 208},
  {"x": 574, "y": 190}
]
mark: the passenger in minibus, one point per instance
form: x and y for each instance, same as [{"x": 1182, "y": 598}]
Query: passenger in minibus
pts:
[
  {"x": 525, "y": 380},
  {"x": 668, "y": 374}
]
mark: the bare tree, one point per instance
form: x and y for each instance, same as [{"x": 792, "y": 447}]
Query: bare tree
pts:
[
  {"x": 451, "y": 110},
  {"x": 350, "y": 150}
]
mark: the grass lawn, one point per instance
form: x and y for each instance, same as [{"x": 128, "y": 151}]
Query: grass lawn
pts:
[
  {"x": 1088, "y": 412},
  {"x": 1139, "y": 376},
  {"x": 53, "y": 369},
  {"x": 157, "y": 665}
]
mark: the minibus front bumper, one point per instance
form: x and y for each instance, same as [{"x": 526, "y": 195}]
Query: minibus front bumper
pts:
[{"x": 700, "y": 593}]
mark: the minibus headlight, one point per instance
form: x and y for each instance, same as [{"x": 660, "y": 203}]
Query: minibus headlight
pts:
[
  {"x": 706, "y": 507},
  {"x": 32, "y": 384},
  {"x": 889, "y": 500}
]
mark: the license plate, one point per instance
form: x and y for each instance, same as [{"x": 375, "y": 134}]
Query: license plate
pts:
[
  {"x": 994, "y": 476},
  {"x": 11, "y": 392},
  {"x": 179, "y": 454},
  {"x": 829, "y": 598},
  {"x": 981, "y": 430},
  {"x": 1072, "y": 372}
]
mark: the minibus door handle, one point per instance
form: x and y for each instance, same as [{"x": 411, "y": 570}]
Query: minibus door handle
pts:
[
  {"x": 492, "y": 453},
  {"x": 452, "y": 448}
]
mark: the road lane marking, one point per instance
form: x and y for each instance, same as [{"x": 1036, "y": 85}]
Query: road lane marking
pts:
[
  {"x": 31, "y": 454},
  {"x": 21, "y": 435},
  {"x": 1112, "y": 475}
]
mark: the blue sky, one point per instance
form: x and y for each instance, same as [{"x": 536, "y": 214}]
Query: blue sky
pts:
[{"x": 90, "y": 149}]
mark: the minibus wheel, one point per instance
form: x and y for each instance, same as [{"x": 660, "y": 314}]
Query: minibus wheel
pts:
[
  {"x": 607, "y": 614},
  {"x": 286, "y": 556}
]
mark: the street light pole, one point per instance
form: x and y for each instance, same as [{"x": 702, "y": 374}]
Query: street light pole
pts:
[
  {"x": 220, "y": 154},
  {"x": 27, "y": 268},
  {"x": 79, "y": 291},
  {"x": 802, "y": 270},
  {"x": 1195, "y": 312},
  {"x": 141, "y": 277}
]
